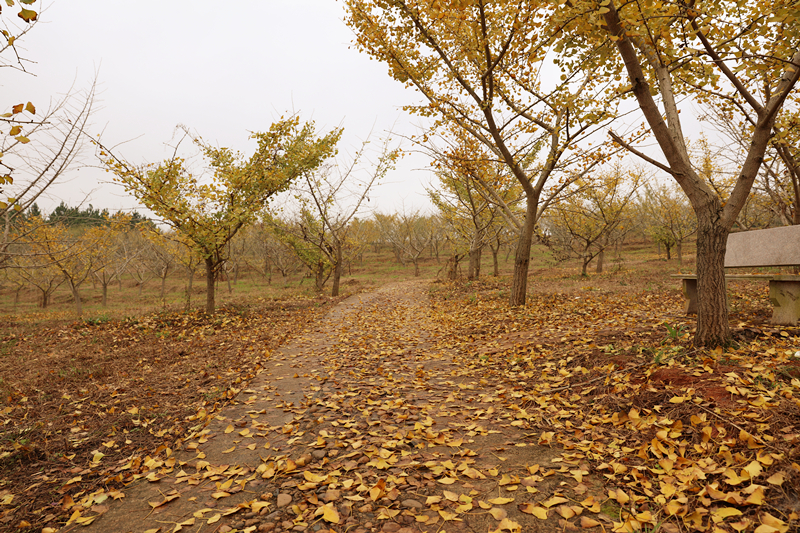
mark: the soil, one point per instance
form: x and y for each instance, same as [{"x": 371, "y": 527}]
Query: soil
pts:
[{"x": 369, "y": 383}]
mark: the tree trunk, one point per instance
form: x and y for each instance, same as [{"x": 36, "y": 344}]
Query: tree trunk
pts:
[
  {"x": 473, "y": 271},
  {"x": 522, "y": 259},
  {"x": 76, "y": 296},
  {"x": 713, "y": 328},
  {"x": 600, "y": 257},
  {"x": 679, "y": 252},
  {"x": 337, "y": 269},
  {"x": 105, "y": 294},
  {"x": 45, "y": 298},
  {"x": 495, "y": 263},
  {"x": 668, "y": 248},
  {"x": 320, "y": 276},
  {"x": 210, "y": 301},
  {"x": 164, "y": 281},
  {"x": 189, "y": 290},
  {"x": 586, "y": 260}
]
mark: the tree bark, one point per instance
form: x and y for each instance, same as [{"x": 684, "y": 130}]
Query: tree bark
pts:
[
  {"x": 210, "y": 286},
  {"x": 600, "y": 257},
  {"x": 522, "y": 259},
  {"x": 713, "y": 328},
  {"x": 679, "y": 252},
  {"x": 76, "y": 296},
  {"x": 495, "y": 263},
  {"x": 473, "y": 271},
  {"x": 105, "y": 295}
]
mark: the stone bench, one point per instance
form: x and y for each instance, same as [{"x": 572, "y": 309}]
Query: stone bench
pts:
[{"x": 773, "y": 247}]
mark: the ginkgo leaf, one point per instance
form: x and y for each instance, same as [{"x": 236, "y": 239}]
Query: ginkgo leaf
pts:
[
  {"x": 555, "y": 500},
  {"x": 587, "y": 523},
  {"x": 500, "y": 501},
  {"x": 535, "y": 510},
  {"x": 452, "y": 496},
  {"x": 498, "y": 513}
]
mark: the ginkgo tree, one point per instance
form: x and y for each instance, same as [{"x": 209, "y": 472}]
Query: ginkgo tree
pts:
[
  {"x": 594, "y": 216},
  {"x": 659, "y": 53},
  {"x": 482, "y": 68},
  {"x": 209, "y": 212}
]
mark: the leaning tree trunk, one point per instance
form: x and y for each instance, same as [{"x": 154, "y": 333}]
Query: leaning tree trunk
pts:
[
  {"x": 522, "y": 259},
  {"x": 210, "y": 287},
  {"x": 713, "y": 328}
]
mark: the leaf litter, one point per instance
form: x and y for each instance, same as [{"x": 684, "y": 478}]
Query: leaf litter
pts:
[{"x": 462, "y": 415}]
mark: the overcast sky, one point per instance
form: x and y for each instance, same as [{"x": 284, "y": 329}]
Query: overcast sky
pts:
[{"x": 222, "y": 69}]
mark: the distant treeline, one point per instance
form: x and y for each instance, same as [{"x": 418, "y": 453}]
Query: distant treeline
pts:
[{"x": 79, "y": 217}]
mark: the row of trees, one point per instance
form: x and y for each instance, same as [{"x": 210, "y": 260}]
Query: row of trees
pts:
[
  {"x": 529, "y": 103},
  {"x": 50, "y": 251}
]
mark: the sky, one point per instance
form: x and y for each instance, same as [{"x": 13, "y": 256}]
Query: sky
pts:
[{"x": 223, "y": 70}]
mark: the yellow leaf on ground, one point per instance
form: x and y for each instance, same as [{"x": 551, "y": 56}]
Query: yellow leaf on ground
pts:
[
  {"x": 449, "y": 516},
  {"x": 497, "y": 513},
  {"x": 535, "y": 510},
  {"x": 555, "y": 500},
  {"x": 329, "y": 513},
  {"x": 452, "y": 496},
  {"x": 501, "y": 501},
  {"x": 587, "y": 522},
  {"x": 446, "y": 481}
]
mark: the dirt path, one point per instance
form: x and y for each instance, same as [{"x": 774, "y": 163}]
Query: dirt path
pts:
[{"x": 366, "y": 423}]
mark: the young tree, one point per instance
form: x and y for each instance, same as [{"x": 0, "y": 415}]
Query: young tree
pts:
[
  {"x": 210, "y": 213},
  {"x": 336, "y": 194},
  {"x": 744, "y": 53},
  {"x": 668, "y": 215},
  {"x": 596, "y": 215}
]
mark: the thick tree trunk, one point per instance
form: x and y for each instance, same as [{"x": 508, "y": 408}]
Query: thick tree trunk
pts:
[
  {"x": 337, "y": 270},
  {"x": 713, "y": 328},
  {"x": 105, "y": 294},
  {"x": 45, "y": 298},
  {"x": 320, "y": 276},
  {"x": 586, "y": 260},
  {"x": 452, "y": 272},
  {"x": 210, "y": 294},
  {"x": 600, "y": 258},
  {"x": 495, "y": 262},
  {"x": 522, "y": 259},
  {"x": 668, "y": 248},
  {"x": 416, "y": 267}
]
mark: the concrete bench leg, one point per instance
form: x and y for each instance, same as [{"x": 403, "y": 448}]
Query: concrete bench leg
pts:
[
  {"x": 785, "y": 298},
  {"x": 690, "y": 293}
]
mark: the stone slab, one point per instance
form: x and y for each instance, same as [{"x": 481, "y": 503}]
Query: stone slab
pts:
[{"x": 764, "y": 248}]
